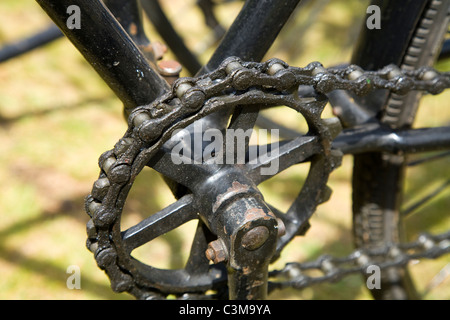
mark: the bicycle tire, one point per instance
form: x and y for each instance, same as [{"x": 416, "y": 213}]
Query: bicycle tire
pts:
[{"x": 378, "y": 178}]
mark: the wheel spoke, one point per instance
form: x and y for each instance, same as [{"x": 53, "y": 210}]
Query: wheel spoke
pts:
[
  {"x": 429, "y": 158},
  {"x": 280, "y": 156},
  {"x": 438, "y": 279},
  {"x": 409, "y": 210},
  {"x": 159, "y": 223}
]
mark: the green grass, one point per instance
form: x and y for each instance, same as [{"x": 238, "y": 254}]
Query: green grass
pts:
[{"x": 57, "y": 117}]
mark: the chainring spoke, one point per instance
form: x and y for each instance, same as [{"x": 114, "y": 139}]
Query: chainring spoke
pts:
[
  {"x": 191, "y": 172},
  {"x": 159, "y": 223},
  {"x": 284, "y": 153}
]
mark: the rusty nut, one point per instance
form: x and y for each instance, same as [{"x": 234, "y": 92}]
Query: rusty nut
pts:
[{"x": 217, "y": 251}]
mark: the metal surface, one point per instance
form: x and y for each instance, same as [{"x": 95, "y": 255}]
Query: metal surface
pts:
[
  {"x": 385, "y": 139},
  {"x": 165, "y": 28},
  {"x": 389, "y": 49},
  {"x": 221, "y": 206},
  {"x": 129, "y": 15},
  {"x": 238, "y": 233},
  {"x": 331, "y": 269},
  {"x": 244, "y": 40},
  {"x": 379, "y": 177},
  {"x": 15, "y": 49},
  {"x": 397, "y": 20},
  {"x": 110, "y": 51},
  {"x": 237, "y": 229}
]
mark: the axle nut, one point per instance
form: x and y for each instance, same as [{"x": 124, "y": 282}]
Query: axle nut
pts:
[{"x": 216, "y": 252}]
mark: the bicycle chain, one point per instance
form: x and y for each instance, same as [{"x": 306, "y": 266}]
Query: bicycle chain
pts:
[
  {"x": 334, "y": 269},
  {"x": 234, "y": 81}
]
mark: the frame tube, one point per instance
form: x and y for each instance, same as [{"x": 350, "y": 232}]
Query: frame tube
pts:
[
  {"x": 387, "y": 140},
  {"x": 254, "y": 30},
  {"x": 109, "y": 50}
]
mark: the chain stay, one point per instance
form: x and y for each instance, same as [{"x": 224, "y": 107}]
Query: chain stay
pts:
[{"x": 193, "y": 98}]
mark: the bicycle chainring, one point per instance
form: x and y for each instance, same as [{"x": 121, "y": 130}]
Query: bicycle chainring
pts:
[{"x": 235, "y": 84}]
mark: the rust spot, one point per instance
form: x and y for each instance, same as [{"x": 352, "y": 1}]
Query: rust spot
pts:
[
  {"x": 133, "y": 29},
  {"x": 155, "y": 49},
  {"x": 237, "y": 186},
  {"x": 216, "y": 251},
  {"x": 158, "y": 49},
  {"x": 257, "y": 283},
  {"x": 251, "y": 288},
  {"x": 169, "y": 67},
  {"x": 246, "y": 270},
  {"x": 258, "y": 213},
  {"x": 255, "y": 213}
]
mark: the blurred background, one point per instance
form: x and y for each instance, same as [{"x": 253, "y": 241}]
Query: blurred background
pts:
[{"x": 57, "y": 117}]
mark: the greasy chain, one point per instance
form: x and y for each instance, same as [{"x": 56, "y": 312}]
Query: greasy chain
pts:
[
  {"x": 190, "y": 99},
  {"x": 332, "y": 269}
]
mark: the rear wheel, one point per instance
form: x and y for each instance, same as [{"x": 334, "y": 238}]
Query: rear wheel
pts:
[{"x": 379, "y": 178}]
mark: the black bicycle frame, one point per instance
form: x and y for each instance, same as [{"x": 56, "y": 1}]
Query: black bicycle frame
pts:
[
  {"x": 113, "y": 41},
  {"x": 108, "y": 47},
  {"x": 110, "y": 51}
]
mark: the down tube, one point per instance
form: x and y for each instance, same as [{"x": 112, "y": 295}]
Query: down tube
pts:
[
  {"x": 253, "y": 31},
  {"x": 109, "y": 50}
]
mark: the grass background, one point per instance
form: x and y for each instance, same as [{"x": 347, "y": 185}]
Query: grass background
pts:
[{"x": 57, "y": 117}]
